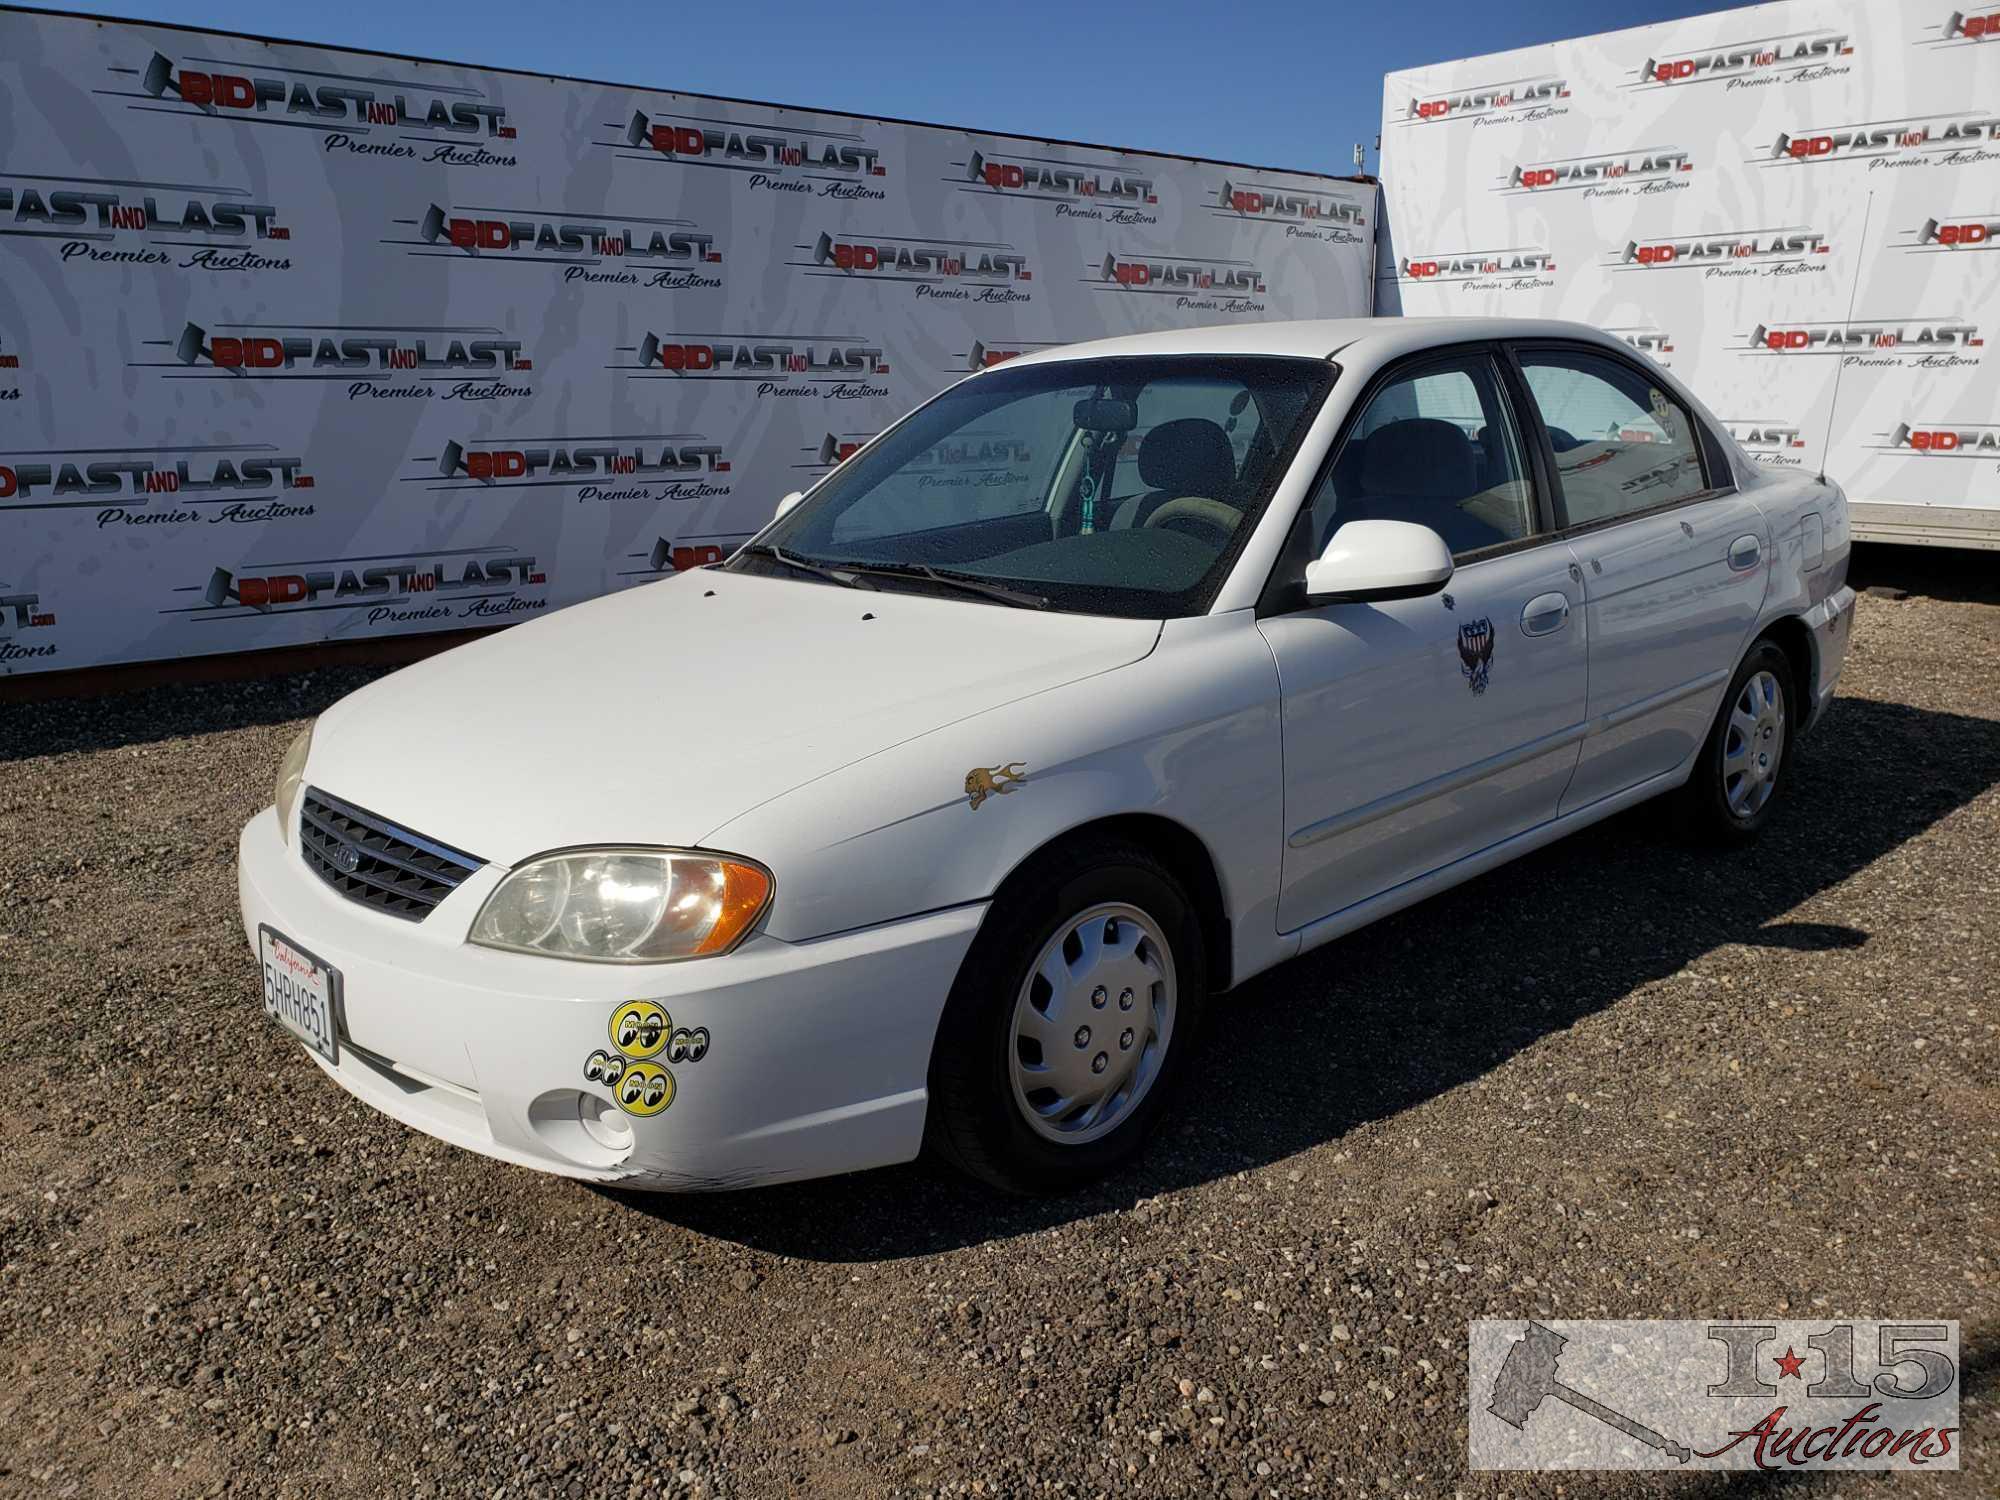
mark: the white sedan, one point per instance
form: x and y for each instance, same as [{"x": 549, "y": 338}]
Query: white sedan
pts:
[{"x": 1102, "y": 682}]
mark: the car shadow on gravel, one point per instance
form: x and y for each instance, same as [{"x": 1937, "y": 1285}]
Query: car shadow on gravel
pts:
[{"x": 1439, "y": 995}]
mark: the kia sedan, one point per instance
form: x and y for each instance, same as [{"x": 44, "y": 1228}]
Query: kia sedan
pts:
[{"x": 1107, "y": 679}]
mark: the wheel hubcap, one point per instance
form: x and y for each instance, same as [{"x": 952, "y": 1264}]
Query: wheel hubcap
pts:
[
  {"x": 1069, "y": 1086},
  {"x": 1753, "y": 746}
]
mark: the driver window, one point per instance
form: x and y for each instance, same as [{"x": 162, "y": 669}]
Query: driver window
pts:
[{"x": 1436, "y": 447}]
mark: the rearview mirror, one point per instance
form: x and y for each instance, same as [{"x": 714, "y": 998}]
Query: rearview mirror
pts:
[
  {"x": 1105, "y": 414},
  {"x": 789, "y": 501},
  {"x": 1373, "y": 560}
]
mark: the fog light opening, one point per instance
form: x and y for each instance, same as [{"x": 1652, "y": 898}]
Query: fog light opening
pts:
[{"x": 603, "y": 1123}]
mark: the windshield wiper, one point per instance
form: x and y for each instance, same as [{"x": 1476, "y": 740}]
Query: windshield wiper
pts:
[
  {"x": 970, "y": 583},
  {"x": 840, "y": 576}
]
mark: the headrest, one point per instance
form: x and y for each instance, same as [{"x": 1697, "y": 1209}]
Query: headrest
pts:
[
  {"x": 1188, "y": 456},
  {"x": 1420, "y": 456}
]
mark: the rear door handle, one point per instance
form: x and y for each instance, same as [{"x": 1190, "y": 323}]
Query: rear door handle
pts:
[
  {"x": 1545, "y": 614},
  {"x": 1744, "y": 552}
]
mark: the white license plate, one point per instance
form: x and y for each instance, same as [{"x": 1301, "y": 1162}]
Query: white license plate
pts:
[{"x": 301, "y": 992}]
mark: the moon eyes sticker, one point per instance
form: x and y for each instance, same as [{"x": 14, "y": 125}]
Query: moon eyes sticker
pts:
[
  {"x": 646, "y": 1089},
  {"x": 641, "y": 1030}
]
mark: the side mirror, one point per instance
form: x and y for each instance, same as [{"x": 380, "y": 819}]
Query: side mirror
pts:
[
  {"x": 789, "y": 501},
  {"x": 1367, "y": 560}
]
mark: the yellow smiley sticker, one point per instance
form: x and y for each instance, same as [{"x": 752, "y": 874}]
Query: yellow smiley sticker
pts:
[
  {"x": 644, "y": 1089},
  {"x": 640, "y": 1028}
]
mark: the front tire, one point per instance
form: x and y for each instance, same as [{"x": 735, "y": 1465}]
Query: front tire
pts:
[
  {"x": 1746, "y": 761},
  {"x": 1071, "y": 1020}
]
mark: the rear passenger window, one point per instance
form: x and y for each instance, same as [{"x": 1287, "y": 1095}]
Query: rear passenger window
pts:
[
  {"x": 1622, "y": 444},
  {"x": 1436, "y": 447}
]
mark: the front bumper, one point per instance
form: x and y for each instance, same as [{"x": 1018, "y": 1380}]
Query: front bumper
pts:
[{"x": 816, "y": 1061}]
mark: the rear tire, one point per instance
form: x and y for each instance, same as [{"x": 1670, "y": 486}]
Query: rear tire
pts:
[
  {"x": 1071, "y": 1020},
  {"x": 1745, "y": 764}
]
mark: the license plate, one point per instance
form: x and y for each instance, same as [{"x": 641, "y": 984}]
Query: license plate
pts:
[{"x": 301, "y": 992}]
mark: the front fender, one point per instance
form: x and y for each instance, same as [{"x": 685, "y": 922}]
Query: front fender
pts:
[{"x": 1189, "y": 733}]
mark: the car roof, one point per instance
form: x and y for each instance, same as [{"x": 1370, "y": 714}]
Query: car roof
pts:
[{"x": 1320, "y": 338}]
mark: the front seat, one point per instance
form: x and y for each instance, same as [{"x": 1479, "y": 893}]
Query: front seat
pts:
[
  {"x": 1419, "y": 469},
  {"x": 1187, "y": 456}
]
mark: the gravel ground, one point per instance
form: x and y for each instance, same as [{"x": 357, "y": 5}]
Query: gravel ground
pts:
[{"x": 1620, "y": 1078}]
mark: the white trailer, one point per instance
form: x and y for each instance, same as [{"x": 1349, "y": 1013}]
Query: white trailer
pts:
[{"x": 1796, "y": 206}]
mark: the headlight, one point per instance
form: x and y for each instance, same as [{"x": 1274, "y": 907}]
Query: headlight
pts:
[
  {"x": 625, "y": 906},
  {"x": 291, "y": 775}
]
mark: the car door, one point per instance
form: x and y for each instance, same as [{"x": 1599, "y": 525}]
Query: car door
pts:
[
  {"x": 1674, "y": 559},
  {"x": 1418, "y": 731}
]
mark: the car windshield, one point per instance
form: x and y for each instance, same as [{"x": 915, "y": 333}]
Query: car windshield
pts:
[{"x": 1121, "y": 486}]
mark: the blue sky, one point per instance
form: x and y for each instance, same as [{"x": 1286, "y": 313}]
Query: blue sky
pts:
[{"x": 1274, "y": 84}]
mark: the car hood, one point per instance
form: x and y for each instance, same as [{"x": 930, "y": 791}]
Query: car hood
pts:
[{"x": 656, "y": 715}]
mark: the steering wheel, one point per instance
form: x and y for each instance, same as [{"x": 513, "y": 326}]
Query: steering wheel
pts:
[{"x": 1199, "y": 514}]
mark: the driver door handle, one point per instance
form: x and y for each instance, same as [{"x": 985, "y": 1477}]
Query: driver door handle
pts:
[{"x": 1545, "y": 614}]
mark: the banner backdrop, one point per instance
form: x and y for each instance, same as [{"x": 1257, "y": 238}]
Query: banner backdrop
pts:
[
  {"x": 1764, "y": 200},
  {"x": 299, "y": 344}
]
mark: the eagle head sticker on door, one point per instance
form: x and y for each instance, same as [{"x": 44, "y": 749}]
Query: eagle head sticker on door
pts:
[{"x": 1475, "y": 652}]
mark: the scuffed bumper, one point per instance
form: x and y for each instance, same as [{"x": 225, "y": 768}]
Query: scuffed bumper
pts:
[
  {"x": 1831, "y": 622},
  {"x": 815, "y": 1064}
]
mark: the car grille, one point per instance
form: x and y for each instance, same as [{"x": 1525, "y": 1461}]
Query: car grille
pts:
[{"x": 372, "y": 861}]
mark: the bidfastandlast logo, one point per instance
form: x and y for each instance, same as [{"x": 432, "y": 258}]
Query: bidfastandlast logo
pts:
[
  {"x": 1979, "y": 232},
  {"x": 1102, "y": 192},
  {"x": 1777, "y": 444},
  {"x": 672, "y": 466},
  {"x": 1778, "y": 59},
  {"x": 1652, "y": 342},
  {"x": 1304, "y": 215},
  {"x": 478, "y": 583},
  {"x": 1608, "y": 175},
  {"x": 1961, "y": 139},
  {"x": 1516, "y": 268},
  {"x": 1760, "y": 252},
  {"x": 9, "y": 363},
  {"x": 834, "y": 164},
  {"x": 108, "y": 222},
  {"x": 221, "y": 484},
  {"x": 832, "y": 450},
  {"x": 1197, "y": 285},
  {"x": 937, "y": 270},
  {"x": 1490, "y": 103},
  {"x": 833, "y": 369},
  {"x": 377, "y": 361},
  {"x": 984, "y": 356},
  {"x": 21, "y": 611},
  {"x": 1920, "y": 343},
  {"x": 350, "y": 109},
  {"x": 1689, "y": 1394},
  {"x": 674, "y": 254},
  {"x": 1959, "y": 29},
  {"x": 1941, "y": 440}
]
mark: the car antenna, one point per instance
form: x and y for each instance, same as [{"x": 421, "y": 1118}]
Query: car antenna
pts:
[{"x": 1853, "y": 290}]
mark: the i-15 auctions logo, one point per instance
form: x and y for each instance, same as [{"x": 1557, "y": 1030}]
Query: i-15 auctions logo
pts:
[
  {"x": 468, "y": 583},
  {"x": 1536, "y": 98},
  {"x": 1931, "y": 344},
  {"x": 951, "y": 270},
  {"x": 822, "y": 163},
  {"x": 109, "y": 221},
  {"x": 675, "y": 251},
  {"x": 349, "y": 108},
  {"x": 1097, "y": 190},
  {"x": 672, "y": 466},
  {"x": 1742, "y": 64},
  {"x": 1958, "y": 139},
  {"x": 1599, "y": 175},
  {"x": 233, "y": 482},
  {"x": 1942, "y": 440},
  {"x": 376, "y": 361}
]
